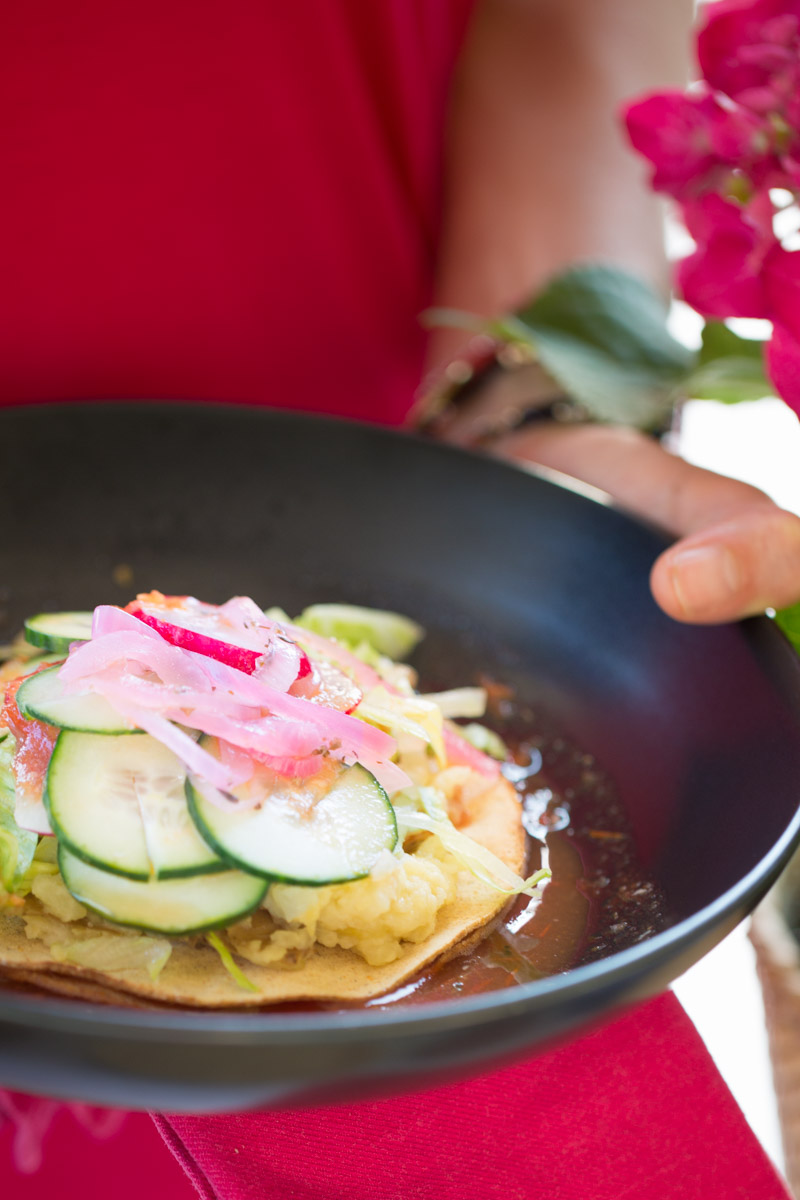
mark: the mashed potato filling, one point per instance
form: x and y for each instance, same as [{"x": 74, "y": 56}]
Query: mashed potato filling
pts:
[{"x": 399, "y": 902}]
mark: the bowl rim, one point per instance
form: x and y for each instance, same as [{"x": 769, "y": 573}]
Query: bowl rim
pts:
[{"x": 262, "y": 1026}]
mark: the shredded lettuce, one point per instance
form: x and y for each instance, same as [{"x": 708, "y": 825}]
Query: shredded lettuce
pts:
[
  {"x": 412, "y": 715},
  {"x": 459, "y": 702},
  {"x": 115, "y": 952},
  {"x": 485, "y": 740},
  {"x": 227, "y": 960},
  {"x": 17, "y": 845},
  {"x": 51, "y": 891},
  {"x": 96, "y": 949},
  {"x": 476, "y": 858}
]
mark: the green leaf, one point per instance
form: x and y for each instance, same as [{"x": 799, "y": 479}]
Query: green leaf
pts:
[
  {"x": 730, "y": 368},
  {"x": 602, "y": 334},
  {"x": 789, "y": 621},
  {"x": 729, "y": 380},
  {"x": 721, "y": 342}
]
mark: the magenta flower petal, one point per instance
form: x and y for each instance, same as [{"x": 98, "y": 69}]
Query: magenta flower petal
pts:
[
  {"x": 746, "y": 47},
  {"x": 671, "y": 130},
  {"x": 781, "y": 277},
  {"x": 783, "y": 365},
  {"x": 691, "y": 138},
  {"x": 723, "y": 277}
]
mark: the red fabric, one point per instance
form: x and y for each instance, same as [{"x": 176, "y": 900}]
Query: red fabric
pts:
[
  {"x": 634, "y": 1111},
  {"x": 216, "y": 200},
  {"x": 54, "y": 1156}
]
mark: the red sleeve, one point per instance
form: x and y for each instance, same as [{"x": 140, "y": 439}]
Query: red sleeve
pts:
[{"x": 208, "y": 201}]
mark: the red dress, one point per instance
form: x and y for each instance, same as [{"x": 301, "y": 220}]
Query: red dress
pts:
[{"x": 230, "y": 201}]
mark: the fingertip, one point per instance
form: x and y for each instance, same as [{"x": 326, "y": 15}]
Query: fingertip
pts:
[
  {"x": 699, "y": 583},
  {"x": 734, "y": 570}
]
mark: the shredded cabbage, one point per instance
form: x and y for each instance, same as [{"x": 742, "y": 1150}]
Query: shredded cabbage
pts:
[
  {"x": 226, "y": 958},
  {"x": 412, "y": 715},
  {"x": 116, "y": 952},
  {"x": 51, "y": 891},
  {"x": 485, "y": 865},
  {"x": 460, "y": 702},
  {"x": 86, "y": 946}
]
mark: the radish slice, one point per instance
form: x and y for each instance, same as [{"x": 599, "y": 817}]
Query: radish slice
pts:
[{"x": 236, "y": 633}]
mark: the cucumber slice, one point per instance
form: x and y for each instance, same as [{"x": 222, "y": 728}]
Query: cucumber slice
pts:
[
  {"x": 42, "y": 697},
  {"x": 297, "y": 835},
  {"x": 55, "y": 631},
  {"x": 119, "y": 803},
  {"x": 171, "y": 906},
  {"x": 50, "y": 659},
  {"x": 387, "y": 632}
]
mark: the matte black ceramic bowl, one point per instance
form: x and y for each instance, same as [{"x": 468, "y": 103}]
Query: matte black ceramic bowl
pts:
[{"x": 511, "y": 574}]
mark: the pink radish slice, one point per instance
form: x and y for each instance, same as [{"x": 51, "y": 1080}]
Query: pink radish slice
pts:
[
  {"x": 241, "y": 657},
  {"x": 236, "y": 633}
]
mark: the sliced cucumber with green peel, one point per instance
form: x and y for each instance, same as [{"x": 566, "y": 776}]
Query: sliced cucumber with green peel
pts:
[
  {"x": 51, "y": 659},
  {"x": 42, "y": 698},
  {"x": 299, "y": 834},
  {"x": 171, "y": 906},
  {"x": 387, "y": 632},
  {"x": 119, "y": 803},
  {"x": 56, "y": 631}
]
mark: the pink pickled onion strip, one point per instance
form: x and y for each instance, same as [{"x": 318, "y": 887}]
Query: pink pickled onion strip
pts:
[
  {"x": 107, "y": 618},
  {"x": 119, "y": 686},
  {"x": 356, "y": 736},
  {"x": 168, "y": 662},
  {"x": 265, "y": 736},
  {"x": 295, "y": 768},
  {"x": 391, "y": 777},
  {"x": 237, "y": 759},
  {"x": 282, "y": 665},
  {"x": 245, "y": 615},
  {"x": 194, "y": 757},
  {"x": 336, "y": 653},
  {"x": 222, "y": 799},
  {"x": 460, "y": 752}
]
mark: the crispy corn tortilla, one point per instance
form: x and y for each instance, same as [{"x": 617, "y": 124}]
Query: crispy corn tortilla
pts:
[{"x": 195, "y": 977}]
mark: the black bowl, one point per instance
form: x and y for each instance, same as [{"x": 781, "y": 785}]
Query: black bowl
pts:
[{"x": 511, "y": 574}]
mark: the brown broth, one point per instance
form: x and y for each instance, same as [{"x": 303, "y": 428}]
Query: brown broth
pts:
[{"x": 599, "y": 899}]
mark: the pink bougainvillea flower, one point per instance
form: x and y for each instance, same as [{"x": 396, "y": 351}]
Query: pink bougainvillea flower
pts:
[
  {"x": 781, "y": 276},
  {"x": 783, "y": 365},
  {"x": 748, "y": 49},
  {"x": 693, "y": 141},
  {"x": 723, "y": 278}
]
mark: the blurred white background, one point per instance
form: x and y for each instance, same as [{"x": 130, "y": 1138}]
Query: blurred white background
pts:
[{"x": 759, "y": 443}]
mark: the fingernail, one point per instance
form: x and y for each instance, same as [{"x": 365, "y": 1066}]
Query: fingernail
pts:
[{"x": 703, "y": 576}]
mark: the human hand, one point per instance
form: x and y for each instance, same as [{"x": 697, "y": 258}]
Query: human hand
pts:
[{"x": 737, "y": 553}]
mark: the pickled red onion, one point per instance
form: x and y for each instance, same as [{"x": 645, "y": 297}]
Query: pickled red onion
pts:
[{"x": 170, "y": 664}]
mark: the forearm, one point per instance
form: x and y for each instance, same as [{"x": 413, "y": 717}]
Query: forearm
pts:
[{"x": 537, "y": 171}]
